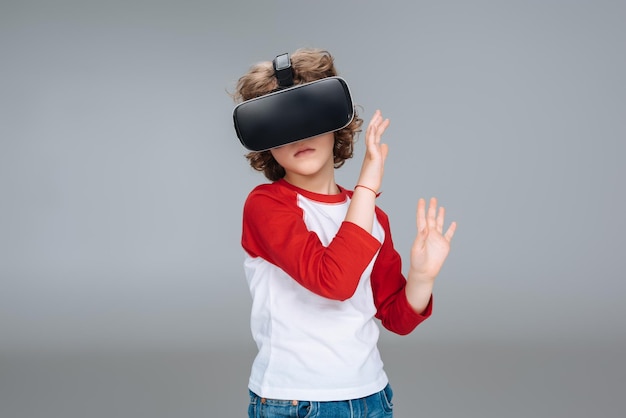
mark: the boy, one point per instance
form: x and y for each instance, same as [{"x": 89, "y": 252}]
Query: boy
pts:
[{"x": 321, "y": 265}]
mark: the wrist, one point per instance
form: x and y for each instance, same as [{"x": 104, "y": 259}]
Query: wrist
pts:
[
  {"x": 417, "y": 277},
  {"x": 376, "y": 192},
  {"x": 418, "y": 295}
]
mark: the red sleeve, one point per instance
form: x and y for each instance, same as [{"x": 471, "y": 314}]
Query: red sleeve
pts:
[
  {"x": 274, "y": 229},
  {"x": 388, "y": 285}
]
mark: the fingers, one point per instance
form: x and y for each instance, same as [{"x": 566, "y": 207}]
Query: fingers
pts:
[
  {"x": 433, "y": 218},
  {"x": 421, "y": 214},
  {"x": 422, "y": 228},
  {"x": 420, "y": 240},
  {"x": 450, "y": 232},
  {"x": 372, "y": 126},
  {"x": 376, "y": 128},
  {"x": 432, "y": 210},
  {"x": 441, "y": 214}
]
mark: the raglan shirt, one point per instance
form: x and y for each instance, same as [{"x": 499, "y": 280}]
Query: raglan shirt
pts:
[{"x": 317, "y": 283}]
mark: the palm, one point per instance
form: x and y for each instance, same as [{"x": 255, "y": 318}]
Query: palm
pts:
[{"x": 431, "y": 246}]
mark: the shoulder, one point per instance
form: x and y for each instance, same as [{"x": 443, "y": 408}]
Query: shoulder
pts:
[
  {"x": 275, "y": 189},
  {"x": 265, "y": 187},
  {"x": 269, "y": 195}
]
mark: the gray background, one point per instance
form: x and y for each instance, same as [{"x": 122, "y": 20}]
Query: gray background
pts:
[{"x": 121, "y": 186}]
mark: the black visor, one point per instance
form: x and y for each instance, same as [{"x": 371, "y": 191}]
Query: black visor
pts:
[{"x": 296, "y": 113}]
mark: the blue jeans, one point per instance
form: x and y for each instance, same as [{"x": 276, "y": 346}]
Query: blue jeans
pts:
[{"x": 377, "y": 405}]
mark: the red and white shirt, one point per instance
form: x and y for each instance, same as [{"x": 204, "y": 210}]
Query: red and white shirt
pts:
[{"x": 317, "y": 282}]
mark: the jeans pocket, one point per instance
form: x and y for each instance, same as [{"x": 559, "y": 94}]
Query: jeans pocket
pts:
[
  {"x": 386, "y": 398},
  {"x": 307, "y": 409}
]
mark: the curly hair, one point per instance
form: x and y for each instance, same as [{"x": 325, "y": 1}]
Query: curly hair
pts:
[{"x": 308, "y": 65}]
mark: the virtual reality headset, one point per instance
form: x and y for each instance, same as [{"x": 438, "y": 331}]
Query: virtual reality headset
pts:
[{"x": 293, "y": 113}]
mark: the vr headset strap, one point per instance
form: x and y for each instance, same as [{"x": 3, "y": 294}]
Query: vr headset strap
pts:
[{"x": 283, "y": 70}]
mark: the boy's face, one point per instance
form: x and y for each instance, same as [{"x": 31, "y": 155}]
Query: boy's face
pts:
[{"x": 308, "y": 157}]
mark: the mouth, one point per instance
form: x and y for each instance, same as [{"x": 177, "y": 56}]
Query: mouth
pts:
[{"x": 304, "y": 151}]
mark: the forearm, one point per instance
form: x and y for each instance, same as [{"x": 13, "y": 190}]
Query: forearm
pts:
[
  {"x": 418, "y": 291},
  {"x": 361, "y": 209},
  {"x": 363, "y": 204}
]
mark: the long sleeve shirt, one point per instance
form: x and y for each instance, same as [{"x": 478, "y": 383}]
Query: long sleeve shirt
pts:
[{"x": 317, "y": 283}]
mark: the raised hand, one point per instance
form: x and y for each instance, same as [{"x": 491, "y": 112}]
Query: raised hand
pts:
[
  {"x": 431, "y": 246},
  {"x": 375, "y": 154}
]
